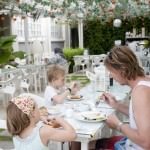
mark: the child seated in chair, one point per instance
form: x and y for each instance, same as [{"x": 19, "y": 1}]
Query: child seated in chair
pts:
[{"x": 54, "y": 92}]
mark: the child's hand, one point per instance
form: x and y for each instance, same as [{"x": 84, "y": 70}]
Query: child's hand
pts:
[
  {"x": 44, "y": 119},
  {"x": 55, "y": 122},
  {"x": 75, "y": 87}
]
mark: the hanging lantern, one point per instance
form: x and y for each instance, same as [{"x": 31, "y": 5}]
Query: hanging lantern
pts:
[{"x": 117, "y": 23}]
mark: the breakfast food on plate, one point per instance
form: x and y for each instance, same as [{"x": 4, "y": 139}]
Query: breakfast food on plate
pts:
[
  {"x": 54, "y": 124},
  {"x": 43, "y": 111},
  {"x": 75, "y": 96},
  {"x": 94, "y": 116}
]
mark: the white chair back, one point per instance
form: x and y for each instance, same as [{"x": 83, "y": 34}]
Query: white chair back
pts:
[
  {"x": 81, "y": 61},
  {"x": 97, "y": 59}
]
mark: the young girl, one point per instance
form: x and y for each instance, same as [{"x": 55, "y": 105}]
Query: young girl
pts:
[
  {"x": 56, "y": 79},
  {"x": 28, "y": 134}
]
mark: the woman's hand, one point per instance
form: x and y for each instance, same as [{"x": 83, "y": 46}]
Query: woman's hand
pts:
[{"x": 109, "y": 99}]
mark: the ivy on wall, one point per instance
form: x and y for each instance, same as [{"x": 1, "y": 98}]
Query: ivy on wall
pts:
[{"x": 99, "y": 38}]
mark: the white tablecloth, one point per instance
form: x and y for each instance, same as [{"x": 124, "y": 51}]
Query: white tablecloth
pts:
[{"x": 87, "y": 131}]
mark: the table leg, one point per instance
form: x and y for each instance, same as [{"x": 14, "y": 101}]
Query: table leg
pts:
[{"x": 84, "y": 145}]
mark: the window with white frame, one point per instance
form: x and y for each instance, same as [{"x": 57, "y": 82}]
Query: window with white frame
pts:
[
  {"x": 18, "y": 27},
  {"x": 56, "y": 31},
  {"x": 34, "y": 28}
]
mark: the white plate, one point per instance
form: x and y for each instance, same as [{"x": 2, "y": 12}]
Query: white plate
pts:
[
  {"x": 75, "y": 99},
  {"x": 91, "y": 116}
]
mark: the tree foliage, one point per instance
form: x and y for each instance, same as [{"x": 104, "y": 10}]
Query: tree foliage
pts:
[{"x": 99, "y": 37}]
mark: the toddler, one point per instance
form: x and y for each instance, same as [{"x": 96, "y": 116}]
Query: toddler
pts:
[{"x": 54, "y": 92}]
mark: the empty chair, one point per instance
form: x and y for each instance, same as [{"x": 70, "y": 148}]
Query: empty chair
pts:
[
  {"x": 9, "y": 88},
  {"x": 27, "y": 78},
  {"x": 80, "y": 63},
  {"x": 97, "y": 59}
]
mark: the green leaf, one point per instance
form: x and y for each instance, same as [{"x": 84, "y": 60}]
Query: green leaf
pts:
[
  {"x": 7, "y": 40},
  {"x": 6, "y": 48},
  {"x": 4, "y": 56}
]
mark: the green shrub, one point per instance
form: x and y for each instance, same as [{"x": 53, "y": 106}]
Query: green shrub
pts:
[
  {"x": 99, "y": 37},
  {"x": 69, "y": 53}
]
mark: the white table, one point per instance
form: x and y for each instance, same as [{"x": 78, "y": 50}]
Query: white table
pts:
[{"x": 86, "y": 131}]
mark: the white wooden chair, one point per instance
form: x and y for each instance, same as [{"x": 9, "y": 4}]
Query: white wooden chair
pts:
[
  {"x": 26, "y": 80},
  {"x": 27, "y": 77},
  {"x": 97, "y": 59},
  {"x": 80, "y": 62},
  {"x": 9, "y": 88}
]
